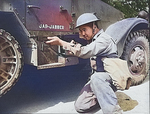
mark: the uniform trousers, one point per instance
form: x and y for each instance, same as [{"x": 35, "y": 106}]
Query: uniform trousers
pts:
[{"x": 98, "y": 92}]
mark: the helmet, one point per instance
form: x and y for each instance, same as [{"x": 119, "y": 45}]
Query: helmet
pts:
[{"x": 86, "y": 18}]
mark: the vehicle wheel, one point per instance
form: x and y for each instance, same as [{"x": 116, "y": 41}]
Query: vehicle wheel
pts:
[
  {"x": 11, "y": 62},
  {"x": 136, "y": 52}
]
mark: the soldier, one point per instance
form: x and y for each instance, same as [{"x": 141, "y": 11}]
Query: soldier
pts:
[{"x": 99, "y": 91}]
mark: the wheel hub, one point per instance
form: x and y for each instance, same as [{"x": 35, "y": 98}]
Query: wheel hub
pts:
[{"x": 137, "y": 59}]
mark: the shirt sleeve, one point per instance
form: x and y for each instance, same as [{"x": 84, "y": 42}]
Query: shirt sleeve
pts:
[{"x": 101, "y": 45}]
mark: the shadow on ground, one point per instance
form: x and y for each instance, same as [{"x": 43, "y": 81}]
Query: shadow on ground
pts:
[{"x": 40, "y": 89}]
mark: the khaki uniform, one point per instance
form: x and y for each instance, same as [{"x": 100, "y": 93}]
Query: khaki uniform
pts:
[{"x": 99, "y": 91}]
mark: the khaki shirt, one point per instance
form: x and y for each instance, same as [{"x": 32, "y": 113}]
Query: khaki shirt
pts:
[
  {"x": 103, "y": 48},
  {"x": 102, "y": 45}
]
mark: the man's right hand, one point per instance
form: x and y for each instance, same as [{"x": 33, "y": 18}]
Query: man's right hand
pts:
[{"x": 54, "y": 41}]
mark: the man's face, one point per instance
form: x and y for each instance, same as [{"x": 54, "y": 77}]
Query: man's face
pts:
[{"x": 86, "y": 32}]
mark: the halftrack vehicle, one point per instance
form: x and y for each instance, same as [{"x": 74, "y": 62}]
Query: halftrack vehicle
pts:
[{"x": 26, "y": 24}]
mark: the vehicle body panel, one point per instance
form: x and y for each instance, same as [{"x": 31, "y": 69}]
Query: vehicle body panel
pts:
[{"x": 36, "y": 20}]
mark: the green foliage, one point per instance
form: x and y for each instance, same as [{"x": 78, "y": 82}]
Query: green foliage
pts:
[{"x": 130, "y": 8}]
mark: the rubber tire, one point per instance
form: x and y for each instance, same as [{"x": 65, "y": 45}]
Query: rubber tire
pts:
[
  {"x": 137, "y": 39},
  {"x": 11, "y": 61}
]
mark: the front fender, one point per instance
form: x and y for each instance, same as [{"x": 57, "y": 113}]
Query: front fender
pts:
[
  {"x": 10, "y": 22},
  {"x": 120, "y": 30}
]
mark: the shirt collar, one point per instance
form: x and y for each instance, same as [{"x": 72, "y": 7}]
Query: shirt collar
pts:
[{"x": 99, "y": 32}]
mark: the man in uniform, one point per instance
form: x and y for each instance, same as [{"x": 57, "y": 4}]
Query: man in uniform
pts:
[{"x": 99, "y": 90}]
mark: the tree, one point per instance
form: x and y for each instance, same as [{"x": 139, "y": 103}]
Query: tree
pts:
[{"x": 130, "y": 8}]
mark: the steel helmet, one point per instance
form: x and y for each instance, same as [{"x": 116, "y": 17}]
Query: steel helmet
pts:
[{"x": 86, "y": 18}]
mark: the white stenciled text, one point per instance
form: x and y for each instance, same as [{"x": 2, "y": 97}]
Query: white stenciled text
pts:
[{"x": 46, "y": 26}]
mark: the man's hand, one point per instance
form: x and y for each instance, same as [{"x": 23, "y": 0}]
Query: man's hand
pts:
[{"x": 54, "y": 41}]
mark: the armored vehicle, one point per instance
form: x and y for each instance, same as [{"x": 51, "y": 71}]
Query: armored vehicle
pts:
[{"x": 26, "y": 24}]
